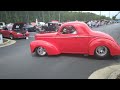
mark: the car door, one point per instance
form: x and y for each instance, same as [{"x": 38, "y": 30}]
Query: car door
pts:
[{"x": 69, "y": 40}]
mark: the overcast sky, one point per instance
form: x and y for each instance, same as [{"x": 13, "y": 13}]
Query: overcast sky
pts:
[{"x": 106, "y": 13}]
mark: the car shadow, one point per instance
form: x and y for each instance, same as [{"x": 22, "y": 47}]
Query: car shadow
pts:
[
  {"x": 16, "y": 38},
  {"x": 90, "y": 57},
  {"x": 79, "y": 56}
]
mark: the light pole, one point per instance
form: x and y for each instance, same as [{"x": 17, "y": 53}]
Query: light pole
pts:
[
  {"x": 43, "y": 15},
  {"x": 49, "y": 15},
  {"x": 109, "y": 14},
  {"x": 100, "y": 14},
  {"x": 59, "y": 16}
]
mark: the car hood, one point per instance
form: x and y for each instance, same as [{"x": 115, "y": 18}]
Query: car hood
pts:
[{"x": 101, "y": 34}]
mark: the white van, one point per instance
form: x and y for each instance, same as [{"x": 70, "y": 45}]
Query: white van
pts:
[
  {"x": 41, "y": 23},
  {"x": 2, "y": 25}
]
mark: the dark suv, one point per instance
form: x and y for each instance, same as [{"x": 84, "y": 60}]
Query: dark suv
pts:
[{"x": 51, "y": 27}]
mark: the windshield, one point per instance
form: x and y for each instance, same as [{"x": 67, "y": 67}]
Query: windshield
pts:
[
  {"x": 53, "y": 26},
  {"x": 18, "y": 26}
]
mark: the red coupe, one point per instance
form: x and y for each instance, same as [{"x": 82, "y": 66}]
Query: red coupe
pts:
[
  {"x": 17, "y": 31},
  {"x": 77, "y": 38}
]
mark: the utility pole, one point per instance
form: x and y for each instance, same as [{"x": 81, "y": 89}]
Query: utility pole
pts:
[
  {"x": 49, "y": 15},
  {"x": 109, "y": 14},
  {"x": 59, "y": 16},
  {"x": 43, "y": 15},
  {"x": 100, "y": 14},
  {"x": 27, "y": 16}
]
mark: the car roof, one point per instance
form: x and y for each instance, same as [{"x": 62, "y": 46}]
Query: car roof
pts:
[
  {"x": 77, "y": 24},
  {"x": 53, "y": 22},
  {"x": 20, "y": 23},
  {"x": 83, "y": 24}
]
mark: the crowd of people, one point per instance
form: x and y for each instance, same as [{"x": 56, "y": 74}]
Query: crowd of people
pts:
[{"x": 97, "y": 23}]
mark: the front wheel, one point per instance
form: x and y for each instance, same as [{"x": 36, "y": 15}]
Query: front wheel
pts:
[
  {"x": 41, "y": 51},
  {"x": 102, "y": 52}
]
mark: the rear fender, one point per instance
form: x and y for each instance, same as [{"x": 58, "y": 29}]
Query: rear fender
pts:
[
  {"x": 113, "y": 47},
  {"x": 50, "y": 48}
]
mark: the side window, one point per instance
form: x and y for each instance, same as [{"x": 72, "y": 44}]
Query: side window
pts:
[{"x": 68, "y": 30}]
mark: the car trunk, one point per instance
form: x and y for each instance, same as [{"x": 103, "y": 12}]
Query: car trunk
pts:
[{"x": 19, "y": 27}]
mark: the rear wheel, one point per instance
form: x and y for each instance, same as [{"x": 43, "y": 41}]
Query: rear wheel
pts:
[
  {"x": 11, "y": 37},
  {"x": 41, "y": 51},
  {"x": 102, "y": 52}
]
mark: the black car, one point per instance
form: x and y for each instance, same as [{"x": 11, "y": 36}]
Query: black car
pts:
[
  {"x": 51, "y": 27},
  {"x": 30, "y": 28},
  {"x": 19, "y": 27}
]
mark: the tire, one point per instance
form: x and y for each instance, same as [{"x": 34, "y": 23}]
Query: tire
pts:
[
  {"x": 11, "y": 37},
  {"x": 102, "y": 52},
  {"x": 40, "y": 51}
]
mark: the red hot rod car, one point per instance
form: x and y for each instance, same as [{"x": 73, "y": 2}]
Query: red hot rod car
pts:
[{"x": 77, "y": 38}]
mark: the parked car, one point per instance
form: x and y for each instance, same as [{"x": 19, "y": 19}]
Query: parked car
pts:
[
  {"x": 50, "y": 27},
  {"x": 17, "y": 31},
  {"x": 118, "y": 21},
  {"x": 2, "y": 25},
  {"x": 76, "y": 38},
  {"x": 30, "y": 28}
]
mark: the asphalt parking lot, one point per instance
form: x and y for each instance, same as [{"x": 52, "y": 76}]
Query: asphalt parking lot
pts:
[{"x": 16, "y": 61}]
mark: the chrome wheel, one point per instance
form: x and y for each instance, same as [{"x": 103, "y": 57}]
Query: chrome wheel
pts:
[
  {"x": 41, "y": 51},
  {"x": 101, "y": 51}
]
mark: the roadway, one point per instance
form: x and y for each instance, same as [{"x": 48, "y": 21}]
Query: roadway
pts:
[{"x": 16, "y": 61}]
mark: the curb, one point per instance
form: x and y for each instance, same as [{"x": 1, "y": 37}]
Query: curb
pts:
[
  {"x": 7, "y": 43},
  {"x": 115, "y": 75},
  {"x": 110, "y": 72}
]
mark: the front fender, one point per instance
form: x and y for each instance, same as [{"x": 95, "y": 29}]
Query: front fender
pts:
[
  {"x": 113, "y": 47},
  {"x": 50, "y": 48}
]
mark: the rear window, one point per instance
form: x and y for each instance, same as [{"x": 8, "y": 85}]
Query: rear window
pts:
[{"x": 18, "y": 26}]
